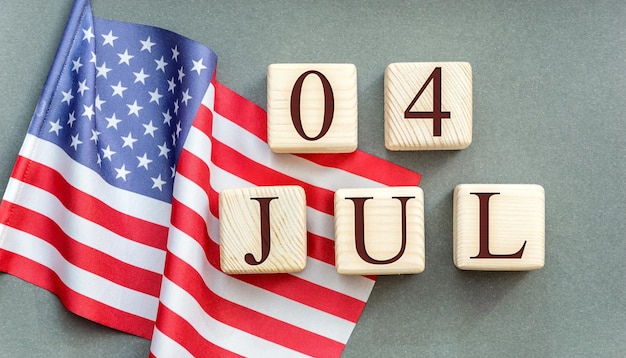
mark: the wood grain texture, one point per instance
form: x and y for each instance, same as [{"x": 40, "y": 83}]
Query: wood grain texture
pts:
[
  {"x": 240, "y": 229},
  {"x": 516, "y": 216},
  {"x": 382, "y": 215},
  {"x": 342, "y": 136},
  {"x": 403, "y": 82}
]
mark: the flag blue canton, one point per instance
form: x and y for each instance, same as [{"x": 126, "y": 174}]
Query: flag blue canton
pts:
[{"x": 124, "y": 101}]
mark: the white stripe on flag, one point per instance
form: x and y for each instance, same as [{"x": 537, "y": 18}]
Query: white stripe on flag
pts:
[
  {"x": 163, "y": 346},
  {"x": 199, "y": 144},
  {"x": 319, "y": 223},
  {"x": 191, "y": 195},
  {"x": 183, "y": 304},
  {"x": 323, "y": 274},
  {"x": 77, "y": 279},
  {"x": 208, "y": 100},
  {"x": 99, "y": 238}
]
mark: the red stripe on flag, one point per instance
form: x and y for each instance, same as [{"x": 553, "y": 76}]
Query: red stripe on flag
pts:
[
  {"x": 196, "y": 170},
  {"x": 246, "y": 319},
  {"x": 240, "y": 111},
  {"x": 258, "y": 174},
  {"x": 204, "y": 120},
  {"x": 81, "y": 255},
  {"x": 190, "y": 222},
  {"x": 89, "y": 207},
  {"x": 320, "y": 248},
  {"x": 81, "y": 305},
  {"x": 179, "y": 330}
]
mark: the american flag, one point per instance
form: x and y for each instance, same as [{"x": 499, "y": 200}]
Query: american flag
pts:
[{"x": 112, "y": 203}]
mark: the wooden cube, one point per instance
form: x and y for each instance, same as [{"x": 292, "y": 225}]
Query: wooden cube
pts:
[
  {"x": 312, "y": 108},
  {"x": 379, "y": 231},
  {"x": 263, "y": 229},
  {"x": 499, "y": 227},
  {"x": 428, "y": 106}
]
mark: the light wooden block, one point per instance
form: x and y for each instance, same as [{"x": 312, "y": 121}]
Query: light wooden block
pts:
[
  {"x": 312, "y": 108},
  {"x": 242, "y": 213},
  {"x": 446, "y": 89},
  {"x": 380, "y": 223},
  {"x": 499, "y": 227}
]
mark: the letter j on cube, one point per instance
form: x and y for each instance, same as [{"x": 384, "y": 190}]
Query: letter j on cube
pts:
[{"x": 263, "y": 229}]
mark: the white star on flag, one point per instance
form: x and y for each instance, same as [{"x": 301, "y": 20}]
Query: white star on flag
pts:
[
  {"x": 125, "y": 57},
  {"x": 198, "y": 66},
  {"x": 109, "y": 38}
]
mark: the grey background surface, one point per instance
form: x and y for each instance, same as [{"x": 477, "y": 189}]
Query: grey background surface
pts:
[{"x": 549, "y": 108}]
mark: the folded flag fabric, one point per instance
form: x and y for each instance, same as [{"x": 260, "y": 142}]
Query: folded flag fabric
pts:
[{"x": 112, "y": 203}]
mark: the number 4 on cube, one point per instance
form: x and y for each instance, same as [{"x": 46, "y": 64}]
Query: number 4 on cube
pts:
[{"x": 428, "y": 106}]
